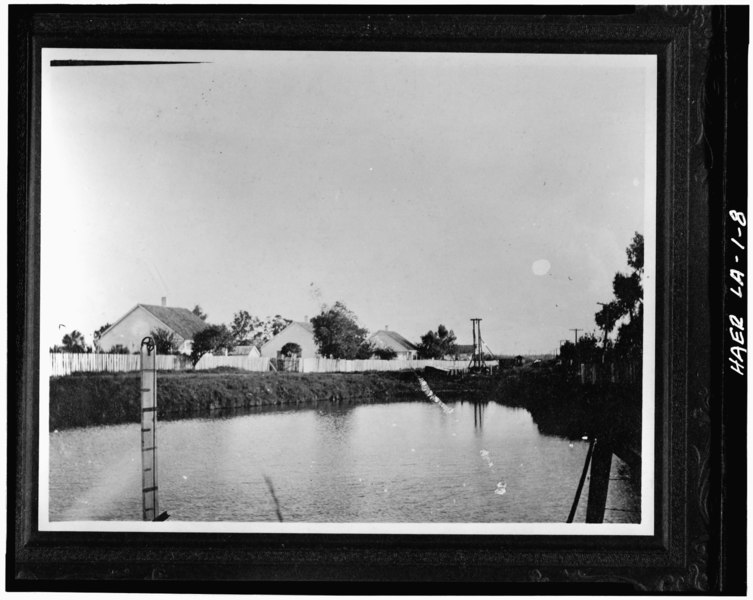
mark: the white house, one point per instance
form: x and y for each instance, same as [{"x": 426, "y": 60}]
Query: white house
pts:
[
  {"x": 297, "y": 332},
  {"x": 384, "y": 338},
  {"x": 142, "y": 319},
  {"x": 245, "y": 350}
]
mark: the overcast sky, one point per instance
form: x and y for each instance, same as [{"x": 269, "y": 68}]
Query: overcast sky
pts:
[{"x": 417, "y": 188}]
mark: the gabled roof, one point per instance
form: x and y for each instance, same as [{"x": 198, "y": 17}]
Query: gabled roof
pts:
[
  {"x": 305, "y": 324},
  {"x": 392, "y": 339},
  {"x": 308, "y": 327},
  {"x": 180, "y": 320},
  {"x": 242, "y": 350}
]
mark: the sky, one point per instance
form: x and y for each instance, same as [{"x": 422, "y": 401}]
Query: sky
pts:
[{"x": 417, "y": 188}]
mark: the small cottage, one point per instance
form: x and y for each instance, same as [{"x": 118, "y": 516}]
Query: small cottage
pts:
[
  {"x": 297, "y": 332},
  {"x": 142, "y": 319},
  {"x": 404, "y": 349},
  {"x": 245, "y": 350}
]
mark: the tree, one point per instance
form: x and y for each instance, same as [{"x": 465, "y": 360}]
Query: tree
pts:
[
  {"x": 164, "y": 341},
  {"x": 290, "y": 349},
  {"x": 98, "y": 335},
  {"x": 247, "y": 328},
  {"x": 74, "y": 342},
  {"x": 567, "y": 351},
  {"x": 244, "y": 323},
  {"x": 437, "y": 344},
  {"x": 627, "y": 306},
  {"x": 384, "y": 353},
  {"x": 586, "y": 350},
  {"x": 607, "y": 318},
  {"x": 635, "y": 253},
  {"x": 211, "y": 339},
  {"x": 268, "y": 328},
  {"x": 263, "y": 331},
  {"x": 628, "y": 292},
  {"x": 630, "y": 336},
  {"x": 366, "y": 351},
  {"x": 337, "y": 332},
  {"x": 274, "y": 325},
  {"x": 199, "y": 313}
]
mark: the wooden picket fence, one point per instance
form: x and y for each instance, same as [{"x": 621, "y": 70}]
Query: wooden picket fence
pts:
[
  {"x": 333, "y": 365},
  {"x": 65, "y": 364},
  {"x": 628, "y": 372},
  {"x": 246, "y": 363}
]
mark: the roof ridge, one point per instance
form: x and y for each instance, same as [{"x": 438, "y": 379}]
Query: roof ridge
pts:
[
  {"x": 161, "y": 306},
  {"x": 181, "y": 320},
  {"x": 398, "y": 338}
]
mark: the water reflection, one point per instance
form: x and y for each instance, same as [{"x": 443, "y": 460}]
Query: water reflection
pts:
[
  {"x": 332, "y": 444},
  {"x": 380, "y": 462},
  {"x": 478, "y": 414},
  {"x": 333, "y": 418}
]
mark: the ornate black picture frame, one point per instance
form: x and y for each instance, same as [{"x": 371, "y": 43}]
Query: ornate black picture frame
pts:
[{"x": 700, "y": 407}]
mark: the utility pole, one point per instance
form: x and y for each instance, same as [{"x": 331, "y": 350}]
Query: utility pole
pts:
[{"x": 576, "y": 334}]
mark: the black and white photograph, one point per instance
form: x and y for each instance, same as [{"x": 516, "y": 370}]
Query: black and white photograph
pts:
[
  {"x": 343, "y": 294},
  {"x": 347, "y": 291}
]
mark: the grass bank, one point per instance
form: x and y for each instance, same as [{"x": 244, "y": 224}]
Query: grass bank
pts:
[
  {"x": 86, "y": 399},
  {"x": 561, "y": 405},
  {"x": 557, "y": 401}
]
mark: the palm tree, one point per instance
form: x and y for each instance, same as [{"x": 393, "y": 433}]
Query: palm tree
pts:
[
  {"x": 607, "y": 318},
  {"x": 164, "y": 340},
  {"x": 74, "y": 342}
]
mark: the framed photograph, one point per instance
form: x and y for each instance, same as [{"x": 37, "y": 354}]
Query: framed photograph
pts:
[{"x": 339, "y": 294}]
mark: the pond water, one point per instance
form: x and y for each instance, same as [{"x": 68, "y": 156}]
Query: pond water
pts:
[{"x": 401, "y": 462}]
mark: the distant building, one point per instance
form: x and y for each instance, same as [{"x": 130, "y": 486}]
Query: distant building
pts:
[
  {"x": 245, "y": 350},
  {"x": 297, "y": 332},
  {"x": 384, "y": 338},
  {"x": 142, "y": 319}
]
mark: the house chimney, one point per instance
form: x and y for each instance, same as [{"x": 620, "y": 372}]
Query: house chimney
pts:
[
  {"x": 386, "y": 327},
  {"x": 164, "y": 300},
  {"x": 305, "y": 318}
]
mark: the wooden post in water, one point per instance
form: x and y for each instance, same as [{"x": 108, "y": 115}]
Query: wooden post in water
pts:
[
  {"x": 601, "y": 464},
  {"x": 149, "y": 430},
  {"x": 582, "y": 480}
]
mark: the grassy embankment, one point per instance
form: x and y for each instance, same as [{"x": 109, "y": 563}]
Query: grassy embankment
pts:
[
  {"x": 557, "y": 401},
  {"x": 561, "y": 405},
  {"x": 86, "y": 399}
]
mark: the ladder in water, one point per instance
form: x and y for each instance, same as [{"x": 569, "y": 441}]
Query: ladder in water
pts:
[{"x": 149, "y": 488}]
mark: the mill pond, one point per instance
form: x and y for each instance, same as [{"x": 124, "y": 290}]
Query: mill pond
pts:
[{"x": 401, "y": 462}]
